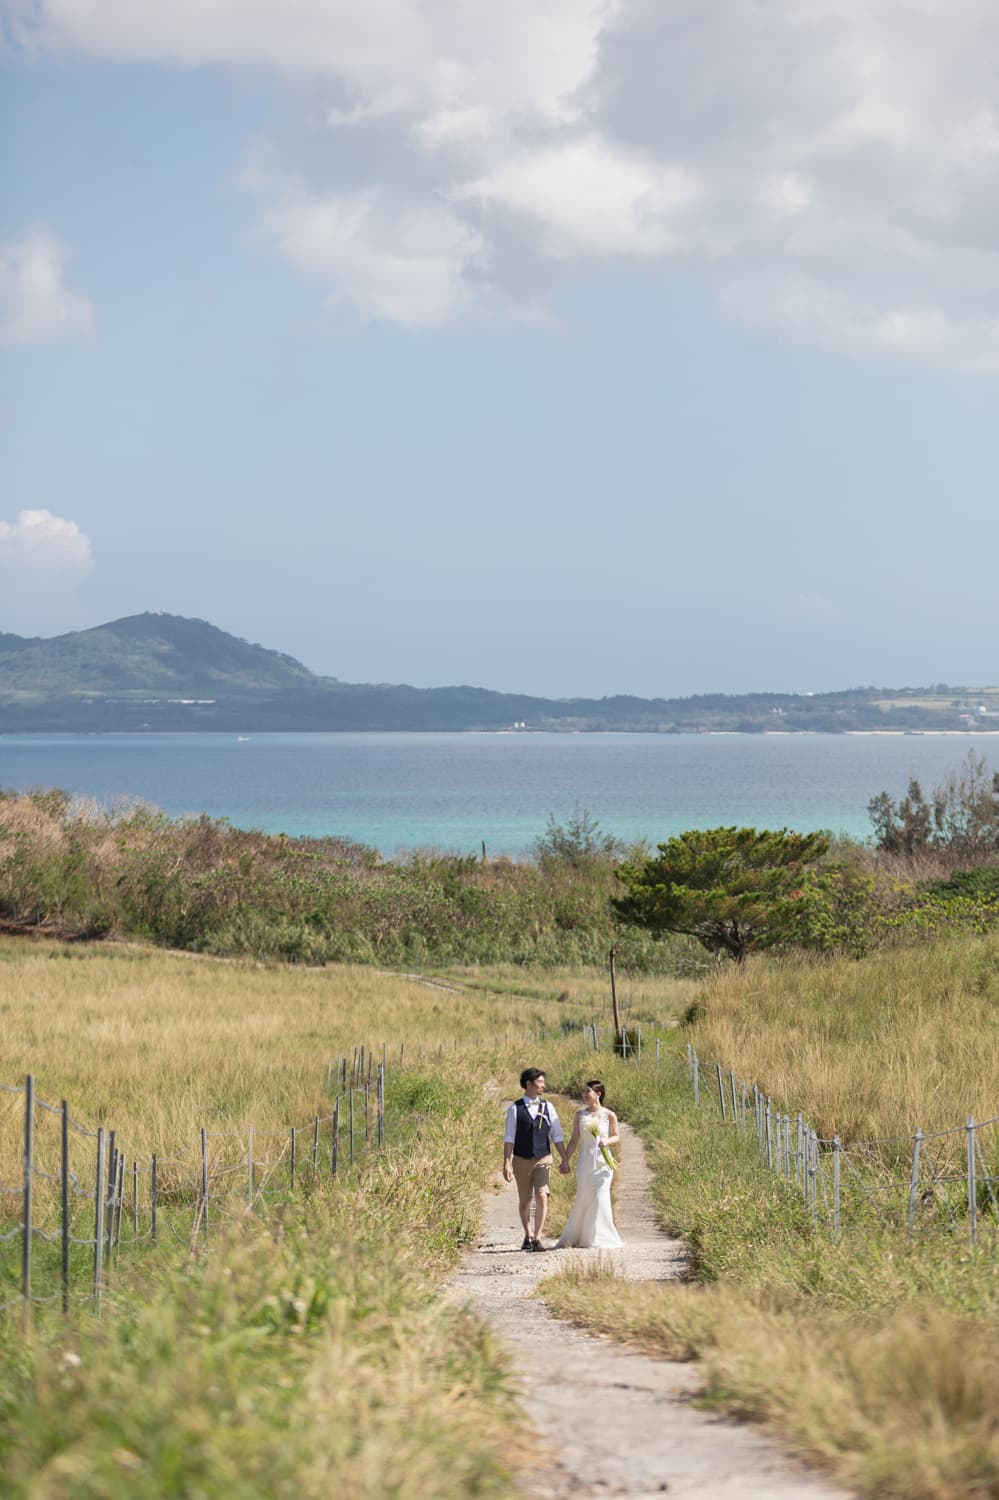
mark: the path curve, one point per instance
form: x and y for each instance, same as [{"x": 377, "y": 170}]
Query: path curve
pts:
[{"x": 616, "y": 1422}]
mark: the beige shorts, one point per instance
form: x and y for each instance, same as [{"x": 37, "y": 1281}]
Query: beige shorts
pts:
[{"x": 532, "y": 1174}]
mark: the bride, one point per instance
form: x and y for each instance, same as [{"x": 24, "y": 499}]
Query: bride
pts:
[{"x": 591, "y": 1223}]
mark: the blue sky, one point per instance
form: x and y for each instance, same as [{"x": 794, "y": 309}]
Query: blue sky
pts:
[{"x": 583, "y": 347}]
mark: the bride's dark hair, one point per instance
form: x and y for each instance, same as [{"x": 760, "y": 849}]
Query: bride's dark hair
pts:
[{"x": 597, "y": 1087}]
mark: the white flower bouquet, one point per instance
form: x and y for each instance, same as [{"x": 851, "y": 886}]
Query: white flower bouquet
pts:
[{"x": 593, "y": 1127}]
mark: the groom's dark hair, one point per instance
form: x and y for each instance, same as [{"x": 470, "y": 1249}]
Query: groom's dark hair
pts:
[{"x": 529, "y": 1075}]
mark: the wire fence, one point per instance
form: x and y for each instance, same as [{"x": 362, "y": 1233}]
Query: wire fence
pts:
[
  {"x": 942, "y": 1180},
  {"x": 81, "y": 1197}
]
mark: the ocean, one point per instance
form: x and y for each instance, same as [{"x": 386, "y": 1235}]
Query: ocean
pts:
[{"x": 401, "y": 792}]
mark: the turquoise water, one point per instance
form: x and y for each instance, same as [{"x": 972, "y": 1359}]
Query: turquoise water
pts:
[{"x": 456, "y": 791}]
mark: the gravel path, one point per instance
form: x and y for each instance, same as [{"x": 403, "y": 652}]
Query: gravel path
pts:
[{"x": 615, "y": 1422}]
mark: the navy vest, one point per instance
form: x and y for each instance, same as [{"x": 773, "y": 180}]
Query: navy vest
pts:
[{"x": 531, "y": 1137}]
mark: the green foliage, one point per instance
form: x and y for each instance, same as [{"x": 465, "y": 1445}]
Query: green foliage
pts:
[
  {"x": 739, "y": 889},
  {"x": 961, "y": 816},
  {"x": 201, "y": 884},
  {"x": 580, "y": 841}
]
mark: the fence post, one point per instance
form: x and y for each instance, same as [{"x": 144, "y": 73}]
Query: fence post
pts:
[
  {"x": 367, "y": 1124},
  {"x": 813, "y": 1174},
  {"x": 770, "y": 1144},
  {"x": 837, "y": 1148},
  {"x": 29, "y": 1169},
  {"x": 335, "y": 1150},
  {"x": 721, "y": 1090},
  {"x": 64, "y": 1183},
  {"x": 743, "y": 1104},
  {"x": 99, "y": 1221},
  {"x": 351, "y": 1098},
  {"x": 381, "y": 1105},
  {"x": 735, "y": 1106},
  {"x": 109, "y": 1207},
  {"x": 780, "y": 1146},
  {"x": 152, "y": 1197},
  {"x": 135, "y": 1199},
  {"x": 697, "y": 1080},
  {"x": 972, "y": 1190},
  {"x": 120, "y": 1204},
  {"x": 917, "y": 1144},
  {"x": 204, "y": 1178},
  {"x": 315, "y": 1145}
]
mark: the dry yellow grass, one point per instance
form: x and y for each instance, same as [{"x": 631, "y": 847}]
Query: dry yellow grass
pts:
[
  {"x": 158, "y": 1045},
  {"x": 867, "y": 1049}
]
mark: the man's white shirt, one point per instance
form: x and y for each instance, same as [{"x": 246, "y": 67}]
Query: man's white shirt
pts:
[{"x": 533, "y": 1105}]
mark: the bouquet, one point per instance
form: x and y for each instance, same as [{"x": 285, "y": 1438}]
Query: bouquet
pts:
[{"x": 593, "y": 1127}]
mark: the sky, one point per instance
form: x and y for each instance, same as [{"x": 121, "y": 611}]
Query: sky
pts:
[{"x": 563, "y": 346}]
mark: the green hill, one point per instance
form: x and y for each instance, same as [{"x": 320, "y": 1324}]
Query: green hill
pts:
[{"x": 164, "y": 672}]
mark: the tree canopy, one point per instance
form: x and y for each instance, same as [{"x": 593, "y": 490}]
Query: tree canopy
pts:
[{"x": 734, "y": 889}]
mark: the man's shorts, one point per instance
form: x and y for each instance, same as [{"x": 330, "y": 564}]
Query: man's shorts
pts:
[{"x": 531, "y": 1174}]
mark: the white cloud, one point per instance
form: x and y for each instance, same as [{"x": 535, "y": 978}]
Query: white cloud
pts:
[
  {"x": 39, "y": 543},
  {"x": 35, "y": 306},
  {"x": 830, "y": 167}
]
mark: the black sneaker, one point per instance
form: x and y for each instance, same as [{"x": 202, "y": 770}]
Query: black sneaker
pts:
[
  {"x": 537, "y": 1245},
  {"x": 528, "y": 1243}
]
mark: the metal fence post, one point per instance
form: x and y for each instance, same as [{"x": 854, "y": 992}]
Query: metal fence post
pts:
[
  {"x": 29, "y": 1171},
  {"x": 204, "y": 1179},
  {"x": 721, "y": 1090},
  {"x": 917, "y": 1144},
  {"x": 770, "y": 1145},
  {"x": 152, "y": 1198},
  {"x": 972, "y": 1190},
  {"x": 351, "y": 1099},
  {"x": 735, "y": 1105},
  {"x": 837, "y": 1148},
  {"x": 64, "y": 1194},
  {"x": 99, "y": 1221},
  {"x": 315, "y": 1145},
  {"x": 335, "y": 1148}
]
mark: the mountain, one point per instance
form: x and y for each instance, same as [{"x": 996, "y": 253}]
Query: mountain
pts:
[{"x": 164, "y": 672}]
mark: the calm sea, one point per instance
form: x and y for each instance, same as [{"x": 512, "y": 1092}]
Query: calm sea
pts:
[{"x": 456, "y": 791}]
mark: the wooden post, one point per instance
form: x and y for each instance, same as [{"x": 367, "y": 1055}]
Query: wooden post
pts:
[{"x": 615, "y": 1011}]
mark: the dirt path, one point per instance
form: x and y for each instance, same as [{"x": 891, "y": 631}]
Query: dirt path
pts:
[{"x": 615, "y": 1422}]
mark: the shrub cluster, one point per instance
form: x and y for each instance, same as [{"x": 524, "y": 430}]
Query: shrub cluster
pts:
[{"x": 78, "y": 870}]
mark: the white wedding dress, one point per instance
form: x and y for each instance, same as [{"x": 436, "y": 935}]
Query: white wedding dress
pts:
[{"x": 591, "y": 1224}]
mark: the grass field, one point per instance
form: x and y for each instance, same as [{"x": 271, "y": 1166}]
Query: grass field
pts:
[
  {"x": 305, "y": 1348},
  {"x": 878, "y": 1356}
]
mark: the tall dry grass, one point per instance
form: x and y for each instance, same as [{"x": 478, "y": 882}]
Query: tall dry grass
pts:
[{"x": 903, "y": 1039}]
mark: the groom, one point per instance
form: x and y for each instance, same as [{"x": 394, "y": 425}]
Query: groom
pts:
[{"x": 532, "y": 1128}]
